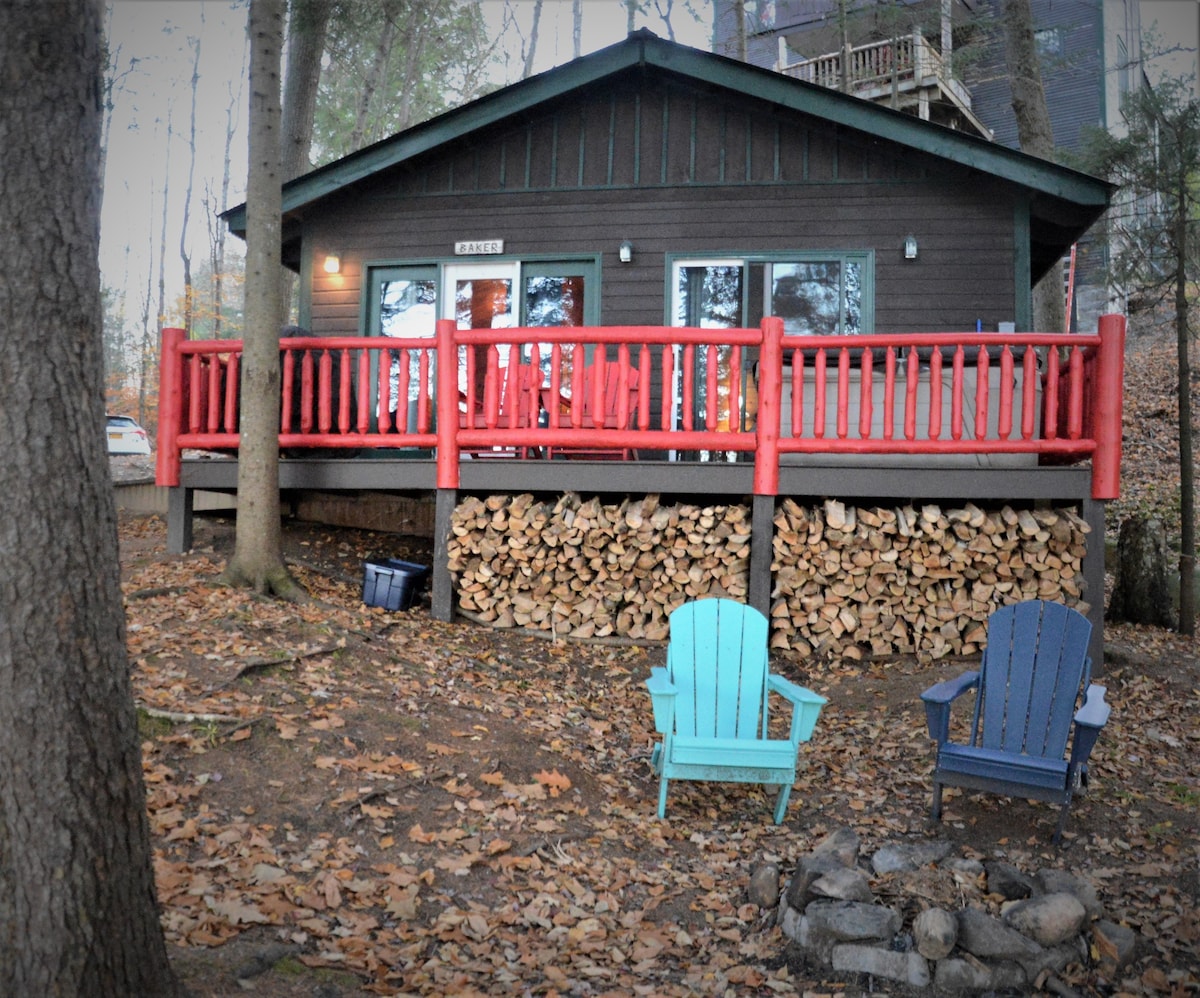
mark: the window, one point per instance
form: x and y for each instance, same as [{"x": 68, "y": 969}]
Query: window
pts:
[
  {"x": 407, "y": 300},
  {"x": 816, "y": 294}
]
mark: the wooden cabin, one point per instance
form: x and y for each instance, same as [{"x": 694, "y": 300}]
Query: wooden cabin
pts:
[{"x": 658, "y": 272}]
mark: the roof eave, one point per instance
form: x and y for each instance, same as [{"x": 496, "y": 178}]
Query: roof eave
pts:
[{"x": 645, "y": 48}]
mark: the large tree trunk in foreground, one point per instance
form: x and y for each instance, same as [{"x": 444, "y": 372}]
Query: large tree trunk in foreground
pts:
[
  {"x": 78, "y": 914},
  {"x": 258, "y": 551}
]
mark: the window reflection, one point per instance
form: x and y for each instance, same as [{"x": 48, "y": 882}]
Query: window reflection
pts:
[{"x": 407, "y": 308}]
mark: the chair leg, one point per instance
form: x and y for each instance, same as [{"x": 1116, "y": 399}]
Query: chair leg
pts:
[
  {"x": 781, "y": 802},
  {"x": 662, "y": 797},
  {"x": 1062, "y": 821},
  {"x": 935, "y": 811}
]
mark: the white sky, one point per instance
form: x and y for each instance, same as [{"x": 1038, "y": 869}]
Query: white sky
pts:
[{"x": 158, "y": 34}]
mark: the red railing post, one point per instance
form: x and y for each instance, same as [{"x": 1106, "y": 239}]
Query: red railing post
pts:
[
  {"x": 770, "y": 393},
  {"x": 170, "y": 407},
  {"x": 1107, "y": 404},
  {"x": 447, "y": 405}
]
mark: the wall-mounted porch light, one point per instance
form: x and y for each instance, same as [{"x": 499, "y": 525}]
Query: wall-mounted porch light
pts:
[
  {"x": 333, "y": 263},
  {"x": 625, "y": 253},
  {"x": 910, "y": 247}
]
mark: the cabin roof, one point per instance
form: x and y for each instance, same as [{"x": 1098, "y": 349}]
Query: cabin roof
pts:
[{"x": 1064, "y": 203}]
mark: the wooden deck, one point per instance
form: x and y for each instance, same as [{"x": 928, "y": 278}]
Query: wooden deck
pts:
[{"x": 1018, "y": 418}]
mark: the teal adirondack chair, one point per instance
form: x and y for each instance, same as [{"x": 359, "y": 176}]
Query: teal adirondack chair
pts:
[
  {"x": 711, "y": 703},
  {"x": 1034, "y": 669}
]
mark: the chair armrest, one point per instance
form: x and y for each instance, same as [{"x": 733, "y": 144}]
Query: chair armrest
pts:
[
  {"x": 806, "y": 706},
  {"x": 662, "y": 696},
  {"x": 937, "y": 703},
  {"x": 1094, "y": 712},
  {"x": 1089, "y": 719}
]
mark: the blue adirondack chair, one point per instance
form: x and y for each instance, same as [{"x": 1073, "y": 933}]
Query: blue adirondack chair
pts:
[
  {"x": 711, "y": 703},
  {"x": 1028, "y": 687}
]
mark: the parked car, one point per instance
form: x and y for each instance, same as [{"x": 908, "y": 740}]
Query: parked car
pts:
[{"x": 126, "y": 437}]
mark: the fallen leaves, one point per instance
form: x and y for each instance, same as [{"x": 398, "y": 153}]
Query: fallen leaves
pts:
[{"x": 443, "y": 810}]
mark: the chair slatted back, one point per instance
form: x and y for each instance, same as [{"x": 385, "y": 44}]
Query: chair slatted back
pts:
[
  {"x": 1033, "y": 669},
  {"x": 717, "y": 659}
]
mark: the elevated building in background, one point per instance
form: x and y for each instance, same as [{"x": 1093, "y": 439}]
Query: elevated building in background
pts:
[{"x": 943, "y": 61}]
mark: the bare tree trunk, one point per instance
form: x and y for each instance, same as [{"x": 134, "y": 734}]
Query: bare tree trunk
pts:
[
  {"x": 414, "y": 43},
  {"x": 533, "y": 38},
  {"x": 577, "y": 27},
  {"x": 1036, "y": 136},
  {"x": 149, "y": 330},
  {"x": 377, "y": 72},
  {"x": 258, "y": 549},
  {"x": 78, "y": 912},
  {"x": 161, "y": 311},
  {"x": 184, "y": 255},
  {"x": 306, "y": 45},
  {"x": 1187, "y": 470},
  {"x": 664, "y": 14},
  {"x": 219, "y": 241}
]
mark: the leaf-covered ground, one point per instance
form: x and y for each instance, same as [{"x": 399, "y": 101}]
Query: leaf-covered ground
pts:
[{"x": 347, "y": 801}]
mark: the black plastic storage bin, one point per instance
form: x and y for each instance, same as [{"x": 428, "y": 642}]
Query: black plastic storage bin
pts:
[{"x": 391, "y": 583}]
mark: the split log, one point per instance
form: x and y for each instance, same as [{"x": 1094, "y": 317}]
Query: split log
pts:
[{"x": 847, "y": 581}]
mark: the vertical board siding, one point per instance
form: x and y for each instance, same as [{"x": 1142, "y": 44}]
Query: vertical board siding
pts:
[{"x": 680, "y": 171}]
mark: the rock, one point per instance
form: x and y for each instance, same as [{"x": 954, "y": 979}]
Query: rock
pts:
[
  {"x": 1061, "y": 882},
  {"x": 908, "y": 856},
  {"x": 789, "y": 922},
  {"x": 1055, "y": 958},
  {"x": 1007, "y": 881},
  {"x": 1049, "y": 919},
  {"x": 827, "y": 923},
  {"x": 843, "y": 885},
  {"x": 986, "y": 937},
  {"x": 957, "y": 974},
  {"x": 764, "y": 886},
  {"x": 1115, "y": 944},
  {"x": 909, "y": 968},
  {"x": 967, "y": 873},
  {"x": 935, "y": 931},
  {"x": 809, "y": 869},
  {"x": 843, "y": 844}
]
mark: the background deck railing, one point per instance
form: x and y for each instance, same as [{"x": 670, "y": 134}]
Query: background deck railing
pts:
[{"x": 688, "y": 394}]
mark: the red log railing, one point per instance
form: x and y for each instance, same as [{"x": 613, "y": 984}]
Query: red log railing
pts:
[{"x": 700, "y": 394}]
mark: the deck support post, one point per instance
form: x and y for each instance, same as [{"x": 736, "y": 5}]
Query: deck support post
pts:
[
  {"x": 180, "y": 500},
  {"x": 1092, "y": 512},
  {"x": 442, "y": 606},
  {"x": 762, "y": 548}
]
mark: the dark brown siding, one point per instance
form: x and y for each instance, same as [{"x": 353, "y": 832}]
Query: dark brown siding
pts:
[{"x": 681, "y": 171}]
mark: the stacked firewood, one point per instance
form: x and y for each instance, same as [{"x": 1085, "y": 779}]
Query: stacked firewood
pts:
[
  {"x": 586, "y": 569},
  {"x": 847, "y": 581},
  {"x": 850, "y": 581}
]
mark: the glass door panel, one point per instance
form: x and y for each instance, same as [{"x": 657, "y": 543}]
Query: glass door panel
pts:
[
  {"x": 711, "y": 295},
  {"x": 556, "y": 293},
  {"x": 408, "y": 308},
  {"x": 403, "y": 303}
]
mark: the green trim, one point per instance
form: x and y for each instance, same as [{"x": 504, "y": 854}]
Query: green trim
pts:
[
  {"x": 1022, "y": 267},
  {"x": 641, "y": 50}
]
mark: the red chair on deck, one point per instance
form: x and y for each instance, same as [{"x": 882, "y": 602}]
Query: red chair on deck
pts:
[
  {"x": 606, "y": 391},
  {"x": 520, "y": 389}
]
